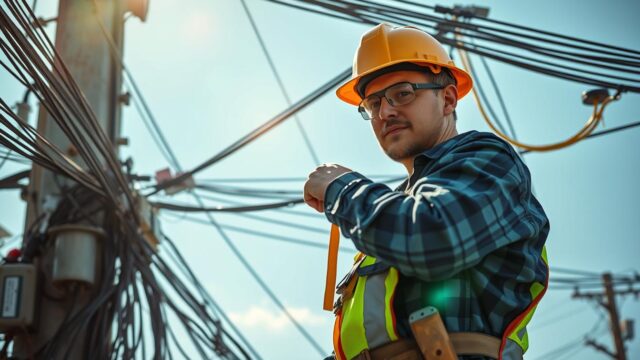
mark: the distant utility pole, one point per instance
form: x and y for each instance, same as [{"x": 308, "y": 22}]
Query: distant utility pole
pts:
[
  {"x": 82, "y": 46},
  {"x": 608, "y": 301}
]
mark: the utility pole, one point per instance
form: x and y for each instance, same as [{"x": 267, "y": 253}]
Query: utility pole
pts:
[
  {"x": 614, "y": 320},
  {"x": 81, "y": 45},
  {"x": 608, "y": 301}
]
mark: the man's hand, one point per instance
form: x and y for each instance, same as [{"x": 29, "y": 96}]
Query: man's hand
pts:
[{"x": 318, "y": 182}]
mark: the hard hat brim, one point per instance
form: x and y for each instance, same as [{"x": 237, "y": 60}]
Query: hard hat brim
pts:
[{"x": 348, "y": 93}]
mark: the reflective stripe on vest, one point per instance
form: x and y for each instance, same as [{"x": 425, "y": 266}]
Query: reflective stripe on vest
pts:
[
  {"x": 359, "y": 324},
  {"x": 515, "y": 340},
  {"x": 367, "y": 320}
]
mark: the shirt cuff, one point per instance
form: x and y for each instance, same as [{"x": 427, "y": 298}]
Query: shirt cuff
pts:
[{"x": 336, "y": 189}]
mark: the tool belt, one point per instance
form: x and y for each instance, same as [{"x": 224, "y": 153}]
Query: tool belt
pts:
[{"x": 464, "y": 343}]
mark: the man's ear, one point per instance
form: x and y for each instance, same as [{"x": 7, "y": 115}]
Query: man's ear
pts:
[{"x": 450, "y": 93}]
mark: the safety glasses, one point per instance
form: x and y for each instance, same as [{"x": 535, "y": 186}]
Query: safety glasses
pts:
[{"x": 397, "y": 95}]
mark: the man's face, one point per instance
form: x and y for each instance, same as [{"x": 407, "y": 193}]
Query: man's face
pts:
[{"x": 405, "y": 131}]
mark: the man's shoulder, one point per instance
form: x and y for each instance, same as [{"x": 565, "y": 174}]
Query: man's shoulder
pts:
[
  {"x": 482, "y": 151},
  {"x": 482, "y": 140},
  {"x": 466, "y": 144},
  {"x": 474, "y": 151},
  {"x": 480, "y": 145}
]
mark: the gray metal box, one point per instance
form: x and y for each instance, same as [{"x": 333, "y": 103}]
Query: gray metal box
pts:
[{"x": 17, "y": 296}]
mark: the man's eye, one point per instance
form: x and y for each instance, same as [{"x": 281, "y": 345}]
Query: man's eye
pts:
[{"x": 402, "y": 94}]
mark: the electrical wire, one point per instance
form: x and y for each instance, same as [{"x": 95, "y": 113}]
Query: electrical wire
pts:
[
  {"x": 256, "y": 133},
  {"x": 383, "y": 178},
  {"x": 573, "y": 353},
  {"x": 26, "y": 141},
  {"x": 328, "y": 14},
  {"x": 589, "y": 126},
  {"x": 11, "y": 181},
  {"x": 554, "y": 320},
  {"x": 57, "y": 91},
  {"x": 534, "y": 30},
  {"x": 465, "y": 46},
  {"x": 262, "y": 283},
  {"x": 602, "y": 132},
  {"x": 238, "y": 191},
  {"x": 584, "y": 132},
  {"x": 143, "y": 108},
  {"x": 103, "y": 185},
  {"x": 572, "y": 345},
  {"x": 263, "y": 234},
  {"x": 279, "y": 221},
  {"x": 369, "y": 12},
  {"x": 162, "y": 142},
  {"x": 550, "y": 37},
  {"x": 575, "y": 271},
  {"x": 487, "y": 69},
  {"x": 187, "y": 270},
  {"x": 10, "y": 155},
  {"x": 577, "y": 280},
  {"x": 478, "y": 85},
  {"x": 148, "y": 121},
  {"x": 132, "y": 272},
  {"x": 226, "y": 201},
  {"x": 188, "y": 208},
  {"x": 272, "y": 65},
  {"x": 247, "y": 192},
  {"x": 250, "y": 137},
  {"x": 563, "y": 349},
  {"x": 550, "y": 311},
  {"x": 159, "y": 135},
  {"x": 4, "y": 158},
  {"x": 238, "y": 145}
]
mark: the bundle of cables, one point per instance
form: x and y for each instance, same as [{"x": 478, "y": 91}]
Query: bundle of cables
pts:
[
  {"x": 543, "y": 52},
  {"x": 600, "y": 64},
  {"x": 139, "y": 294}
]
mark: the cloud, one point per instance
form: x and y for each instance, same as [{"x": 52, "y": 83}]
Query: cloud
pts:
[{"x": 257, "y": 317}]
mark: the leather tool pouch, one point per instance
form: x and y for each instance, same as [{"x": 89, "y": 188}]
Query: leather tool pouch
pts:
[{"x": 431, "y": 335}]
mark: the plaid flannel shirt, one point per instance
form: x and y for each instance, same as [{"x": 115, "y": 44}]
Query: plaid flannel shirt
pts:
[{"x": 464, "y": 231}]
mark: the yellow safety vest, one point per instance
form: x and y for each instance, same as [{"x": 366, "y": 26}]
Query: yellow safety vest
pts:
[{"x": 365, "y": 319}]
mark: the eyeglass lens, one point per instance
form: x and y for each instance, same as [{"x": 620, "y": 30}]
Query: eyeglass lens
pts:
[{"x": 396, "y": 95}]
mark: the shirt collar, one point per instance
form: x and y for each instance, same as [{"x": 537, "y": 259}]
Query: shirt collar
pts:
[
  {"x": 437, "y": 151},
  {"x": 434, "y": 153}
]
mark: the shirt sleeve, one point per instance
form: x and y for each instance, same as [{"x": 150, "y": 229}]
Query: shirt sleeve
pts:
[{"x": 474, "y": 202}]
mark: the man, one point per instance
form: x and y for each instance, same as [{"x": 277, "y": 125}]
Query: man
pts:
[{"x": 463, "y": 234}]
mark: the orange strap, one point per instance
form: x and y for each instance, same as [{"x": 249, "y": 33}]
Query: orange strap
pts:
[{"x": 332, "y": 266}]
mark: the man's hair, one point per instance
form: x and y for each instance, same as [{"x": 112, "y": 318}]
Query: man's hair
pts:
[{"x": 444, "y": 77}]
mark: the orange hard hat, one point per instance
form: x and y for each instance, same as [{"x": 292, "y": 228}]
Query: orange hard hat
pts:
[{"x": 385, "y": 45}]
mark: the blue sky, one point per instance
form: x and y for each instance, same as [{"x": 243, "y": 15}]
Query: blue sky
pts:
[{"x": 207, "y": 81}]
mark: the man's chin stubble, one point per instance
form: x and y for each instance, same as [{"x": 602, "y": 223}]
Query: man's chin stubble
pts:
[{"x": 402, "y": 154}]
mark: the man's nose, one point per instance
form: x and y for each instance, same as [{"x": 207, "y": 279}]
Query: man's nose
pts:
[{"x": 387, "y": 111}]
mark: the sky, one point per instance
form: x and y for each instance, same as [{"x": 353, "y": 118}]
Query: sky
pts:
[{"x": 204, "y": 75}]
